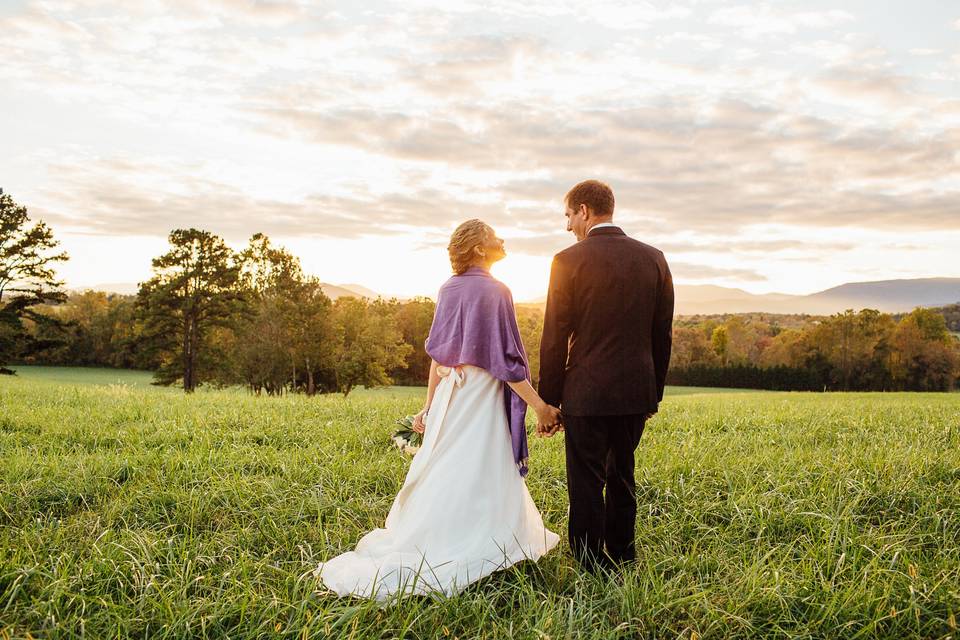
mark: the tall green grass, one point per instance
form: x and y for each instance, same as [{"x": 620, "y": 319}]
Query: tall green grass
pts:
[{"x": 136, "y": 511}]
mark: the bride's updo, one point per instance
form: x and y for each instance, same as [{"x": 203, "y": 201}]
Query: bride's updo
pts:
[{"x": 465, "y": 239}]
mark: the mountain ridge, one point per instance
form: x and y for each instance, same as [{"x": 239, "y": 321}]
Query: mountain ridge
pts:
[{"x": 889, "y": 296}]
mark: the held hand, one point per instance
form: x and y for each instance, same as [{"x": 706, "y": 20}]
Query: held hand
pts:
[
  {"x": 549, "y": 421},
  {"x": 559, "y": 424},
  {"x": 419, "y": 424}
]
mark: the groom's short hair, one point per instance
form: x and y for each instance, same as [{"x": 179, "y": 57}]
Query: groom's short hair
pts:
[{"x": 593, "y": 193}]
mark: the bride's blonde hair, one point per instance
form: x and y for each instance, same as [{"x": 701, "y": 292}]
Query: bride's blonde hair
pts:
[{"x": 469, "y": 235}]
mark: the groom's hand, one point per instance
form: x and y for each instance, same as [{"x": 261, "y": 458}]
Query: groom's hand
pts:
[
  {"x": 547, "y": 419},
  {"x": 550, "y": 422},
  {"x": 557, "y": 427}
]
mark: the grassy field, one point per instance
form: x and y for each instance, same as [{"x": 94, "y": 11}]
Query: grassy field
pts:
[
  {"x": 100, "y": 376},
  {"x": 128, "y": 510},
  {"x": 83, "y": 375}
]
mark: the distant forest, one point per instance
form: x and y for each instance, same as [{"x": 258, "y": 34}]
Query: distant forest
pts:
[
  {"x": 282, "y": 338},
  {"x": 864, "y": 351},
  {"x": 212, "y": 316}
]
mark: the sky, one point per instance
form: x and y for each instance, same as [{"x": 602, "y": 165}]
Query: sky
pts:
[{"x": 784, "y": 146}]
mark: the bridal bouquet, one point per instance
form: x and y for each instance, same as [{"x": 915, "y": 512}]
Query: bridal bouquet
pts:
[{"x": 405, "y": 438}]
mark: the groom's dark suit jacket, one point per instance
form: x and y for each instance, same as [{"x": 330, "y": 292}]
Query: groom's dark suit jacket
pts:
[{"x": 607, "y": 330}]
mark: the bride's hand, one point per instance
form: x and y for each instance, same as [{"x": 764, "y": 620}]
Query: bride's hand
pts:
[{"x": 419, "y": 424}]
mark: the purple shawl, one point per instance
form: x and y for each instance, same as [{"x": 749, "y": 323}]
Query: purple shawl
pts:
[{"x": 475, "y": 323}]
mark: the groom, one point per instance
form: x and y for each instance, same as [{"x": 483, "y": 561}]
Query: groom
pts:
[{"x": 603, "y": 361}]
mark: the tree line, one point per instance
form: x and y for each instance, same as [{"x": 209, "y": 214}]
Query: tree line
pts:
[
  {"x": 212, "y": 315},
  {"x": 850, "y": 351}
]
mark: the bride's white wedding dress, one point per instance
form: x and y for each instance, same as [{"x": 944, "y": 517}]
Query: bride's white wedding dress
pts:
[{"x": 464, "y": 510}]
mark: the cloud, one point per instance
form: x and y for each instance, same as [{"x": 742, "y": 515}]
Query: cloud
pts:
[
  {"x": 676, "y": 165},
  {"x": 608, "y": 14},
  {"x": 691, "y": 271},
  {"x": 468, "y": 64},
  {"x": 728, "y": 165},
  {"x": 826, "y": 50},
  {"x": 857, "y": 82},
  {"x": 706, "y": 42},
  {"x": 756, "y": 21},
  {"x": 124, "y": 196},
  {"x": 633, "y": 15},
  {"x": 555, "y": 239},
  {"x": 151, "y": 52},
  {"x": 761, "y": 247}
]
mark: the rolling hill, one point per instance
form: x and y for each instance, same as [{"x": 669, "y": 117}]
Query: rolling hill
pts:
[{"x": 890, "y": 296}]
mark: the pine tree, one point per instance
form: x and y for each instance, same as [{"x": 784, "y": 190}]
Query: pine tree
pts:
[
  {"x": 27, "y": 276},
  {"x": 195, "y": 289}
]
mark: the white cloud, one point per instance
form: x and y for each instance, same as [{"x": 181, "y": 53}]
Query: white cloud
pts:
[
  {"x": 859, "y": 83},
  {"x": 708, "y": 43},
  {"x": 763, "y": 20},
  {"x": 825, "y": 50},
  {"x": 616, "y": 15},
  {"x": 822, "y": 19}
]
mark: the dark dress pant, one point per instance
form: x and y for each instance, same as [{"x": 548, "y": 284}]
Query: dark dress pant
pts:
[{"x": 599, "y": 452}]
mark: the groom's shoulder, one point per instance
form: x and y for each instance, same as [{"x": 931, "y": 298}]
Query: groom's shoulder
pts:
[
  {"x": 601, "y": 244},
  {"x": 639, "y": 247},
  {"x": 568, "y": 252},
  {"x": 648, "y": 248}
]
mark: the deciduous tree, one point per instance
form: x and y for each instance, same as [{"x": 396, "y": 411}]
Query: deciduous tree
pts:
[
  {"x": 371, "y": 344},
  {"x": 195, "y": 288}
]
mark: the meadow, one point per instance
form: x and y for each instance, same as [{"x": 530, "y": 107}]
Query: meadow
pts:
[{"x": 133, "y": 511}]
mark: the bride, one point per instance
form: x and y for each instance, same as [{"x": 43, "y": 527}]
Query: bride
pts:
[{"x": 464, "y": 510}]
